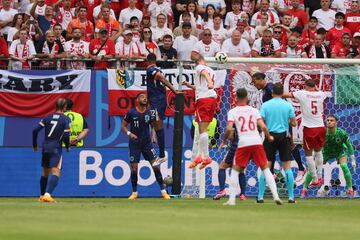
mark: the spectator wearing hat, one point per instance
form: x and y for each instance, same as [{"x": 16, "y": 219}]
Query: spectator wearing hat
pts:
[
  {"x": 344, "y": 49},
  {"x": 247, "y": 32},
  {"x": 184, "y": 43},
  {"x": 126, "y": 48},
  {"x": 108, "y": 22},
  {"x": 167, "y": 53},
  {"x": 205, "y": 47},
  {"x": 102, "y": 48},
  {"x": 186, "y": 18},
  {"x": 352, "y": 18},
  {"x": 127, "y": 13},
  {"x": 356, "y": 42},
  {"x": 160, "y": 29},
  {"x": 86, "y": 26},
  {"x": 236, "y": 46},
  {"x": 333, "y": 36},
  {"x": 266, "y": 46},
  {"x": 325, "y": 16}
]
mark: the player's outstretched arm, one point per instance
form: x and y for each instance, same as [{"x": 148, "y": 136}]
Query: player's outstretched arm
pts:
[
  {"x": 35, "y": 135},
  {"x": 263, "y": 127},
  {"x": 185, "y": 83},
  {"x": 162, "y": 79}
]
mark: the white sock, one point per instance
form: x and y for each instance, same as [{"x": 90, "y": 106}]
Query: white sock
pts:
[
  {"x": 319, "y": 161},
  {"x": 234, "y": 180},
  {"x": 311, "y": 167},
  {"x": 271, "y": 183},
  {"x": 195, "y": 148},
  {"x": 163, "y": 191},
  {"x": 204, "y": 145}
]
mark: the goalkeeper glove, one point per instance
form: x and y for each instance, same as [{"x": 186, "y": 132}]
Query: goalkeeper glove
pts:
[{"x": 353, "y": 162}]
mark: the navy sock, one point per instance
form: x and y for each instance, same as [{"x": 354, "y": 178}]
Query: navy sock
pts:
[
  {"x": 242, "y": 182},
  {"x": 159, "y": 177},
  {"x": 43, "y": 183},
  {"x": 134, "y": 179},
  {"x": 52, "y": 183},
  {"x": 222, "y": 178},
  {"x": 161, "y": 142},
  {"x": 296, "y": 154}
]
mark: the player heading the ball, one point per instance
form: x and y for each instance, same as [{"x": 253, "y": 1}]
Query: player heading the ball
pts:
[{"x": 205, "y": 107}]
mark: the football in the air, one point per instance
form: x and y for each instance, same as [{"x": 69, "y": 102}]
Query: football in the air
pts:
[{"x": 221, "y": 57}]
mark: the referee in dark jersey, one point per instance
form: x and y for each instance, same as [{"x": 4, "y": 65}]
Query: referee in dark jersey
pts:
[{"x": 277, "y": 114}]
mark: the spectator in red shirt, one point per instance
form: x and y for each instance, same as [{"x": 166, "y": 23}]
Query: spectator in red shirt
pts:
[
  {"x": 102, "y": 48},
  {"x": 299, "y": 16},
  {"x": 356, "y": 42},
  {"x": 308, "y": 34},
  {"x": 343, "y": 49},
  {"x": 335, "y": 33},
  {"x": 352, "y": 18},
  {"x": 4, "y": 53}
]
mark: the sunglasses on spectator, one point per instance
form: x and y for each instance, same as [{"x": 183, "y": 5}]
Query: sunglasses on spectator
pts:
[
  {"x": 277, "y": 32},
  {"x": 207, "y": 34},
  {"x": 147, "y": 31}
]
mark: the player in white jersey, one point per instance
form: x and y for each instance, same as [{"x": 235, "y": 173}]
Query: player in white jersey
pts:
[
  {"x": 250, "y": 144},
  {"x": 205, "y": 107},
  {"x": 312, "y": 109}
]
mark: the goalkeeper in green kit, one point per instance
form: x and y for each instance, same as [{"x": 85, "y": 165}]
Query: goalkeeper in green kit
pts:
[{"x": 338, "y": 146}]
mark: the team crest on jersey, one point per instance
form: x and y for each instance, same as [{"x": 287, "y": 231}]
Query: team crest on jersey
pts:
[
  {"x": 147, "y": 118},
  {"x": 123, "y": 78}
]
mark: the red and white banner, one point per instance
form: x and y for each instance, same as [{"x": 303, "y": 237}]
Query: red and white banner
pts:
[
  {"x": 125, "y": 85},
  {"x": 28, "y": 95},
  {"x": 293, "y": 78}
]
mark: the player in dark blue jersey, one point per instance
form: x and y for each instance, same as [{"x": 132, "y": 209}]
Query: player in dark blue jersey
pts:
[
  {"x": 140, "y": 118},
  {"x": 57, "y": 130},
  {"x": 156, "y": 90}
]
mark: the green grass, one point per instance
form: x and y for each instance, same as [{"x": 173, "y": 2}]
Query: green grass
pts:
[{"x": 113, "y": 218}]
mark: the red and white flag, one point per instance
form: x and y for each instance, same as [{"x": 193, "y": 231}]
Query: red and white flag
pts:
[
  {"x": 28, "y": 95},
  {"x": 125, "y": 85}
]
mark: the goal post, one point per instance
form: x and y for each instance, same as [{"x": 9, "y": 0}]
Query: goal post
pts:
[{"x": 340, "y": 78}]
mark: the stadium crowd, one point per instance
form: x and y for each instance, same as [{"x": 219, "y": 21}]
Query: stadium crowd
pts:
[{"x": 35, "y": 33}]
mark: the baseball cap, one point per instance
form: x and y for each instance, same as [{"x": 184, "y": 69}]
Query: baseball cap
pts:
[
  {"x": 357, "y": 34},
  {"x": 103, "y": 30},
  {"x": 240, "y": 23}
]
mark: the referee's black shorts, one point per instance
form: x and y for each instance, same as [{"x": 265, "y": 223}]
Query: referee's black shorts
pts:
[{"x": 282, "y": 144}]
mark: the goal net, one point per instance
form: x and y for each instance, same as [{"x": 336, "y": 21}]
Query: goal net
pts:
[{"x": 340, "y": 79}]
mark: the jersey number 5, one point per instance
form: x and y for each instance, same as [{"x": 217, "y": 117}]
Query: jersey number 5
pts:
[
  {"x": 250, "y": 125},
  {"x": 314, "y": 109}
]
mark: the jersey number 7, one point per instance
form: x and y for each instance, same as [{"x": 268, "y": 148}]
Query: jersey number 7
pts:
[{"x": 54, "y": 124}]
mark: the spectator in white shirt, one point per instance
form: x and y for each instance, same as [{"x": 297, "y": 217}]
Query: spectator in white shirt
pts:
[
  {"x": 219, "y": 33},
  {"x": 264, "y": 8},
  {"x": 160, "y": 29},
  {"x": 184, "y": 43},
  {"x": 325, "y": 16},
  {"x": 233, "y": 17},
  {"x": 21, "y": 51},
  {"x": 338, "y": 6},
  {"x": 6, "y": 16},
  {"x": 127, "y": 13},
  {"x": 77, "y": 49},
  {"x": 157, "y": 7},
  {"x": 236, "y": 46},
  {"x": 196, "y": 20},
  {"x": 206, "y": 47}
]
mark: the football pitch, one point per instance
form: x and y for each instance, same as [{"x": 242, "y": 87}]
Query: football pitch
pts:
[{"x": 152, "y": 218}]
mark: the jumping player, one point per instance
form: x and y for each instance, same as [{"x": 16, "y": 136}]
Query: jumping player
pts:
[
  {"x": 250, "y": 146},
  {"x": 338, "y": 146},
  {"x": 156, "y": 90},
  {"x": 312, "y": 108},
  {"x": 140, "y": 118},
  {"x": 205, "y": 107},
  {"x": 57, "y": 129}
]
